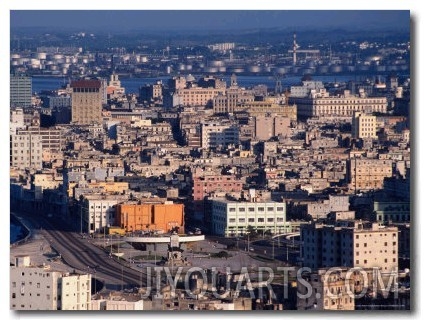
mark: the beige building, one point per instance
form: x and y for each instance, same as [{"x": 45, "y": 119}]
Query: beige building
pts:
[
  {"x": 327, "y": 291},
  {"x": 197, "y": 96},
  {"x": 368, "y": 174},
  {"x": 364, "y": 126},
  {"x": 26, "y": 150},
  {"x": 351, "y": 244},
  {"x": 114, "y": 89},
  {"x": 268, "y": 126},
  {"x": 39, "y": 288},
  {"x": 227, "y": 102},
  {"x": 86, "y": 101},
  {"x": 258, "y": 108},
  {"x": 321, "y": 104}
]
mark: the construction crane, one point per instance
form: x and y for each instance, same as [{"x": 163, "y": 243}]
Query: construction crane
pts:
[{"x": 295, "y": 50}]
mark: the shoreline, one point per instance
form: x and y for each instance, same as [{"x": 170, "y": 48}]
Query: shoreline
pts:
[{"x": 24, "y": 234}]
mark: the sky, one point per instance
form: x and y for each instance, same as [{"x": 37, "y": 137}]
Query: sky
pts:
[{"x": 180, "y": 20}]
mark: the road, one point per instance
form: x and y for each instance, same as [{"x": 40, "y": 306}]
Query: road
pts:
[
  {"x": 81, "y": 254},
  {"x": 282, "y": 251}
]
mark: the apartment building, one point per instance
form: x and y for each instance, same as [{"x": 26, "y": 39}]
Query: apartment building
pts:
[
  {"x": 368, "y": 174},
  {"x": 215, "y": 134},
  {"x": 324, "y": 290},
  {"x": 26, "y": 150},
  {"x": 39, "y": 288},
  {"x": 349, "y": 243},
  {"x": 52, "y": 140},
  {"x": 231, "y": 218},
  {"x": 268, "y": 126},
  {"x": 364, "y": 126}
]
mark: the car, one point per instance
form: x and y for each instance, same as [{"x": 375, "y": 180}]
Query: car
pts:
[{"x": 251, "y": 249}]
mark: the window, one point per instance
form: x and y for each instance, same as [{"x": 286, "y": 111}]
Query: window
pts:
[
  {"x": 242, "y": 209},
  {"x": 251, "y": 209},
  {"x": 365, "y": 245},
  {"x": 232, "y": 209},
  {"x": 270, "y": 209},
  {"x": 270, "y": 219},
  {"x": 261, "y": 209},
  {"x": 242, "y": 220},
  {"x": 365, "y": 261},
  {"x": 232, "y": 220},
  {"x": 280, "y": 208},
  {"x": 251, "y": 220},
  {"x": 261, "y": 219},
  {"x": 13, "y": 284}
]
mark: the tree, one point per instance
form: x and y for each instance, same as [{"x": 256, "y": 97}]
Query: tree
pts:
[{"x": 252, "y": 232}]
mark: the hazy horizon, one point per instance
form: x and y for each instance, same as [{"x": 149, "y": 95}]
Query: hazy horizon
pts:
[{"x": 209, "y": 20}]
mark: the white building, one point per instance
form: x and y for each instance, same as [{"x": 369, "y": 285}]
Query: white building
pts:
[
  {"x": 230, "y": 218},
  {"x": 98, "y": 211},
  {"x": 321, "y": 104},
  {"x": 118, "y": 302},
  {"x": 305, "y": 89},
  {"x": 16, "y": 120},
  {"x": 39, "y": 288},
  {"x": 215, "y": 134}
]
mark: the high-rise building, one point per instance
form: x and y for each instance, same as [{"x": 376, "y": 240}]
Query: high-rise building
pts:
[
  {"x": 86, "y": 101},
  {"x": 20, "y": 91}
]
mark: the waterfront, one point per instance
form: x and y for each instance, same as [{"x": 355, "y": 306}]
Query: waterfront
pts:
[
  {"x": 17, "y": 230},
  {"x": 132, "y": 85}
]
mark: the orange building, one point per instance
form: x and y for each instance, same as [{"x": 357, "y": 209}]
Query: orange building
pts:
[{"x": 150, "y": 216}]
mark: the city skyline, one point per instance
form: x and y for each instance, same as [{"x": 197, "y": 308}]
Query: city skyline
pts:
[{"x": 235, "y": 137}]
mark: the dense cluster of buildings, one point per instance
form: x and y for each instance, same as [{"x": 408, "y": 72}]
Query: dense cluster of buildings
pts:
[{"x": 329, "y": 163}]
